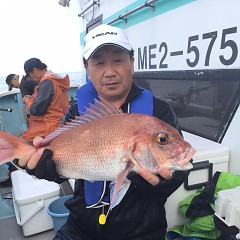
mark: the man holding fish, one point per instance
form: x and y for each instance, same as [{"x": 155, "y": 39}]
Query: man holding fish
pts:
[{"x": 127, "y": 157}]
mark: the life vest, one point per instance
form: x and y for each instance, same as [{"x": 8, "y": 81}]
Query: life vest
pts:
[{"x": 95, "y": 192}]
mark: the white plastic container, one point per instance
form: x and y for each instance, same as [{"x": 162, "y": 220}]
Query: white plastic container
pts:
[
  {"x": 216, "y": 154},
  {"x": 227, "y": 206},
  {"x": 31, "y": 197}
]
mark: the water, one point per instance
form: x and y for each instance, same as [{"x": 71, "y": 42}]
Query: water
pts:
[
  {"x": 75, "y": 78},
  {"x": 3, "y": 85}
]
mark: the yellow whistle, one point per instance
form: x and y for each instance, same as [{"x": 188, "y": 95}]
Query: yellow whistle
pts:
[{"x": 102, "y": 219}]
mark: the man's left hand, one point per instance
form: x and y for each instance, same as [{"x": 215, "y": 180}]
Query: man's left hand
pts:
[{"x": 152, "y": 178}]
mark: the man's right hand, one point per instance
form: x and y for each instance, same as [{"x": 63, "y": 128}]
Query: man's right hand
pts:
[
  {"x": 45, "y": 168},
  {"x": 41, "y": 164},
  {"x": 26, "y": 98}
]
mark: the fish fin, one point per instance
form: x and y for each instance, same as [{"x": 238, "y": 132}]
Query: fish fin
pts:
[
  {"x": 150, "y": 158},
  {"x": 145, "y": 165},
  {"x": 6, "y": 151},
  {"x": 95, "y": 111},
  {"x": 106, "y": 107},
  {"x": 53, "y": 135},
  {"x": 121, "y": 192},
  {"x": 143, "y": 157},
  {"x": 121, "y": 186},
  {"x": 8, "y": 143}
]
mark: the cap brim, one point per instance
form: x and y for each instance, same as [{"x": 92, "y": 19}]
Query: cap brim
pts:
[{"x": 92, "y": 50}]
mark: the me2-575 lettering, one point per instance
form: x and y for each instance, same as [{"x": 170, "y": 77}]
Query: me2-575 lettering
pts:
[{"x": 148, "y": 55}]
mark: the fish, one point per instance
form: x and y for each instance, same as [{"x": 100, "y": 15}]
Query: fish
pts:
[{"x": 106, "y": 144}]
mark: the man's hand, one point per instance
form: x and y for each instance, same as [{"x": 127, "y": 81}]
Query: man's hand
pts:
[
  {"x": 41, "y": 164},
  {"x": 45, "y": 168},
  {"x": 152, "y": 178},
  {"x": 146, "y": 180},
  {"x": 31, "y": 162},
  {"x": 26, "y": 98}
]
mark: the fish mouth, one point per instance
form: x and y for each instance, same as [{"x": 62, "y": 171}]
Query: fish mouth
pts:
[
  {"x": 182, "y": 163},
  {"x": 186, "y": 156}
]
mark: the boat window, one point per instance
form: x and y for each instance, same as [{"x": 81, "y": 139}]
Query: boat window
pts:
[{"x": 204, "y": 101}]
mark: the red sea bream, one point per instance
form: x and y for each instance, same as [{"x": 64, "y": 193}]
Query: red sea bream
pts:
[{"x": 105, "y": 143}]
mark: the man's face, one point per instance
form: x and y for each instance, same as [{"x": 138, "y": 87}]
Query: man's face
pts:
[
  {"x": 110, "y": 69},
  {"x": 15, "y": 81},
  {"x": 35, "y": 75}
]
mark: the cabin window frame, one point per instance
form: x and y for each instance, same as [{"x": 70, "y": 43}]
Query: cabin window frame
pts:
[{"x": 194, "y": 76}]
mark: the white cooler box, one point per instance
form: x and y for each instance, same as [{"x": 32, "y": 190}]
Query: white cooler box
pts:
[
  {"x": 227, "y": 206},
  {"x": 31, "y": 197},
  {"x": 209, "y": 158}
]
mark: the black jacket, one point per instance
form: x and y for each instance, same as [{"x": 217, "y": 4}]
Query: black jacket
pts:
[
  {"x": 27, "y": 86},
  {"x": 141, "y": 213}
]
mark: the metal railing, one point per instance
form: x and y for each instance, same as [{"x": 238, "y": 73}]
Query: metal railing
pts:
[
  {"x": 91, "y": 5},
  {"x": 150, "y": 3}
]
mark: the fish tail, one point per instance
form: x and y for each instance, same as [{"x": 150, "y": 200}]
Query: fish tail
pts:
[
  {"x": 9, "y": 145},
  {"x": 6, "y": 151}
]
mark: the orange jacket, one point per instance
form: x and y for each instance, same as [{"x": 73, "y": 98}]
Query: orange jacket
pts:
[{"x": 42, "y": 125}]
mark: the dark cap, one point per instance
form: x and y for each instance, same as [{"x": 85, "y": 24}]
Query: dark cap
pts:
[
  {"x": 8, "y": 81},
  {"x": 33, "y": 62}
]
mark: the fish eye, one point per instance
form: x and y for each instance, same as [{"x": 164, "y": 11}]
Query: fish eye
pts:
[{"x": 162, "y": 138}]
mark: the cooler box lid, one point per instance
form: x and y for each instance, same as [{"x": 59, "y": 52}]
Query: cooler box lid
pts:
[
  {"x": 28, "y": 189},
  {"x": 207, "y": 149}
]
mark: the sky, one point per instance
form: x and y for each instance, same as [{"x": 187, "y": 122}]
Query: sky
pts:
[{"x": 42, "y": 29}]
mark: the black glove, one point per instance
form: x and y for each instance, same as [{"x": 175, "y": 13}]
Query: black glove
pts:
[{"x": 46, "y": 168}]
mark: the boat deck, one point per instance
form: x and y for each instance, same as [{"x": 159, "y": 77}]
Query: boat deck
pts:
[{"x": 10, "y": 230}]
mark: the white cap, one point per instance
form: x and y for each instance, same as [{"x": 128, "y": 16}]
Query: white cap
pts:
[{"x": 104, "y": 35}]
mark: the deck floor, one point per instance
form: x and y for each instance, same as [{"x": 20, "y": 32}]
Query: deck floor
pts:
[{"x": 9, "y": 230}]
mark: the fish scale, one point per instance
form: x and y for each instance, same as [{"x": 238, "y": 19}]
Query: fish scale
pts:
[{"x": 89, "y": 143}]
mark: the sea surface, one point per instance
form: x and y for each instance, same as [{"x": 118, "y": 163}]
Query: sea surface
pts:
[{"x": 75, "y": 79}]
